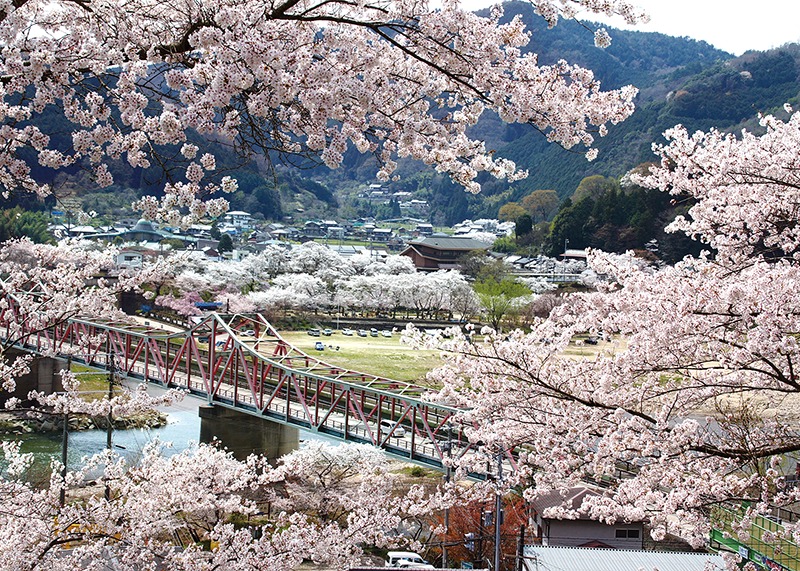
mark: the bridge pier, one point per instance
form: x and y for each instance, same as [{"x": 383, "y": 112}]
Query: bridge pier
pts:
[
  {"x": 44, "y": 376},
  {"x": 244, "y": 434}
]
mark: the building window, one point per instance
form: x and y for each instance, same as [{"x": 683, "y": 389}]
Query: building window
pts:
[{"x": 627, "y": 534}]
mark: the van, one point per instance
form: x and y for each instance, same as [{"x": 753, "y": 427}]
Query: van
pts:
[{"x": 406, "y": 560}]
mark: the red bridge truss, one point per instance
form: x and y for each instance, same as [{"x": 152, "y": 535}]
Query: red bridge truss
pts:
[{"x": 241, "y": 362}]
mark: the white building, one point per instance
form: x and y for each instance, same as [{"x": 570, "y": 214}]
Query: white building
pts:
[
  {"x": 129, "y": 259},
  {"x": 239, "y": 219}
]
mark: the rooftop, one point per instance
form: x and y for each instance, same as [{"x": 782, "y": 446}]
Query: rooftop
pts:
[{"x": 542, "y": 558}]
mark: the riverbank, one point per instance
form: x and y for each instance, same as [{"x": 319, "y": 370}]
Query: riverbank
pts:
[{"x": 26, "y": 422}]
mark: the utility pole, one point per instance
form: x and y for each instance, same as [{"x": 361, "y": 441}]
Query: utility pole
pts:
[
  {"x": 109, "y": 417},
  {"x": 498, "y": 511},
  {"x": 521, "y": 549},
  {"x": 62, "y": 496},
  {"x": 480, "y": 537}
]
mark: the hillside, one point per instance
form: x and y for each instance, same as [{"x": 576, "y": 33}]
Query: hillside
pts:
[{"x": 681, "y": 81}]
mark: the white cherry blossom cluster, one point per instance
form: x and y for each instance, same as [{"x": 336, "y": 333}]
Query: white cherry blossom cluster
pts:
[
  {"x": 692, "y": 398},
  {"x": 194, "y": 494},
  {"x": 552, "y": 9}
]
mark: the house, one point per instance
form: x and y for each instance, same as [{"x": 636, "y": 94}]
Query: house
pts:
[
  {"x": 335, "y": 232},
  {"x": 571, "y": 254},
  {"x": 313, "y": 228},
  {"x": 424, "y": 229},
  {"x": 382, "y": 234},
  {"x": 583, "y": 531},
  {"x": 129, "y": 259},
  {"x": 441, "y": 252}
]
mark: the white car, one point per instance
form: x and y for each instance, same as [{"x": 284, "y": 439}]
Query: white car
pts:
[
  {"x": 388, "y": 425},
  {"x": 348, "y": 332},
  {"x": 406, "y": 560}
]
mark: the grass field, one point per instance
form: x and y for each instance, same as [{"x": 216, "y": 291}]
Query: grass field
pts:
[
  {"x": 381, "y": 356},
  {"x": 94, "y": 383},
  {"x": 388, "y": 357}
]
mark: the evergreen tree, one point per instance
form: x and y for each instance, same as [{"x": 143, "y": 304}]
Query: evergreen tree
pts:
[{"x": 225, "y": 243}]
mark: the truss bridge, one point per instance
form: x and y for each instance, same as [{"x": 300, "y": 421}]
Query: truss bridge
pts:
[{"x": 242, "y": 363}]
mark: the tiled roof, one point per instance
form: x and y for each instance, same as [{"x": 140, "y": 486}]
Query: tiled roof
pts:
[{"x": 450, "y": 243}]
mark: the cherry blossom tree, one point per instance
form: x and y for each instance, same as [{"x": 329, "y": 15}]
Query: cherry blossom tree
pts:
[
  {"x": 44, "y": 284},
  {"x": 300, "y": 291},
  {"x": 692, "y": 398},
  {"x": 364, "y": 292},
  {"x": 159, "y": 513},
  {"x": 184, "y": 305},
  {"x": 320, "y": 261},
  {"x": 395, "y": 79}
]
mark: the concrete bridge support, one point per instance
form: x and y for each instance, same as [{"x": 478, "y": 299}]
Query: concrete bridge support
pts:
[
  {"x": 44, "y": 376},
  {"x": 244, "y": 434}
]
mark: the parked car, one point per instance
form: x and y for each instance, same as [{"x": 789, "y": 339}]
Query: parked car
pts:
[
  {"x": 373, "y": 332},
  {"x": 314, "y": 332},
  {"x": 406, "y": 560},
  {"x": 362, "y": 332},
  {"x": 319, "y": 346},
  {"x": 327, "y": 332},
  {"x": 348, "y": 332},
  {"x": 386, "y": 333},
  {"x": 388, "y": 425}
]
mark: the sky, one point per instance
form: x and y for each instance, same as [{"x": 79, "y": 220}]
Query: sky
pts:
[
  {"x": 734, "y": 26},
  {"x": 731, "y": 25}
]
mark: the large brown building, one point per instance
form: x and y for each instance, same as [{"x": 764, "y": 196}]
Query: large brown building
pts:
[{"x": 441, "y": 252}]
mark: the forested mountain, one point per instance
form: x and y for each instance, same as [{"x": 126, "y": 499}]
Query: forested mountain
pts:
[{"x": 681, "y": 81}]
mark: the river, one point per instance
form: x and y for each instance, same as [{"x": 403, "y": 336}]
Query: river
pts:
[{"x": 181, "y": 430}]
